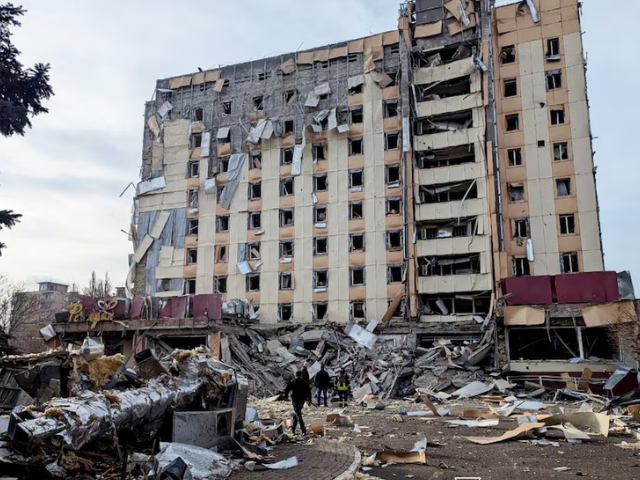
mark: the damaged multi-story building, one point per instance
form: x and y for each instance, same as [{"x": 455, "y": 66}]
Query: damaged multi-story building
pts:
[{"x": 410, "y": 174}]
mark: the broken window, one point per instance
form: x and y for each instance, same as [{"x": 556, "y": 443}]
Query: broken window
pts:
[
  {"x": 448, "y": 192},
  {"x": 357, "y": 276},
  {"x": 286, "y": 248},
  {"x": 288, "y": 127},
  {"x": 447, "y": 228},
  {"x": 392, "y": 175},
  {"x": 394, "y": 273},
  {"x": 446, "y": 122},
  {"x": 253, "y": 251},
  {"x": 560, "y": 151},
  {"x": 286, "y": 156},
  {"x": 463, "y": 303},
  {"x": 222, "y": 223},
  {"x": 226, "y": 108},
  {"x": 285, "y": 281},
  {"x": 223, "y": 164},
  {"x": 520, "y": 266},
  {"x": 196, "y": 140},
  {"x": 515, "y": 157},
  {"x": 258, "y": 103},
  {"x": 320, "y": 183},
  {"x": 192, "y": 256},
  {"x": 563, "y": 186},
  {"x": 320, "y": 279},
  {"x": 510, "y": 87},
  {"x": 445, "y": 157},
  {"x": 255, "y": 191},
  {"x": 286, "y": 186},
  {"x": 449, "y": 265},
  {"x": 356, "y": 242},
  {"x": 557, "y": 116},
  {"x": 319, "y": 214},
  {"x": 255, "y": 220},
  {"x": 567, "y": 224},
  {"x": 394, "y": 205},
  {"x": 224, "y": 136},
  {"x": 256, "y": 160},
  {"x": 198, "y": 112},
  {"x": 554, "y": 79},
  {"x": 357, "y": 309},
  {"x": 318, "y": 151},
  {"x": 286, "y": 217},
  {"x": 220, "y": 284},
  {"x": 193, "y": 198},
  {"x": 192, "y": 226},
  {"x": 394, "y": 239},
  {"x": 444, "y": 89},
  {"x": 355, "y": 115},
  {"x": 553, "y": 48},
  {"x": 221, "y": 253},
  {"x": 569, "y": 262},
  {"x": 513, "y": 122},
  {"x": 285, "y": 312},
  {"x": 356, "y": 89},
  {"x": 390, "y": 108},
  {"x": 355, "y": 146},
  {"x": 355, "y": 210},
  {"x": 391, "y": 140},
  {"x": 189, "y": 286},
  {"x": 508, "y": 54},
  {"x": 252, "y": 282},
  {"x": 289, "y": 98},
  {"x": 520, "y": 227},
  {"x": 356, "y": 179},
  {"x": 219, "y": 190},
  {"x": 320, "y": 310},
  {"x": 320, "y": 245},
  {"x": 193, "y": 169},
  {"x": 516, "y": 192}
]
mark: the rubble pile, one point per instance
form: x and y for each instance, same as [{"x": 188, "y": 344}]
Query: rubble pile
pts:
[
  {"x": 387, "y": 367},
  {"x": 100, "y": 406}
]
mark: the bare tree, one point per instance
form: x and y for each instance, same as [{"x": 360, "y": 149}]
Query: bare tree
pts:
[
  {"x": 98, "y": 288},
  {"x": 17, "y": 305}
]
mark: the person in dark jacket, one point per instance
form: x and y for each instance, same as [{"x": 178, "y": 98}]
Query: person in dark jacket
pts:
[
  {"x": 323, "y": 381},
  {"x": 300, "y": 393},
  {"x": 305, "y": 374}
]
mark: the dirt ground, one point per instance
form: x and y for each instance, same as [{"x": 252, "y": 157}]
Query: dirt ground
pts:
[{"x": 451, "y": 456}]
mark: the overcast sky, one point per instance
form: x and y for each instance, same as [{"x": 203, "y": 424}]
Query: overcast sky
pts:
[{"x": 65, "y": 175}]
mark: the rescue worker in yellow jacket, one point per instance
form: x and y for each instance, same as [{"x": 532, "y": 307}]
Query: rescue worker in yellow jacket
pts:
[{"x": 343, "y": 386}]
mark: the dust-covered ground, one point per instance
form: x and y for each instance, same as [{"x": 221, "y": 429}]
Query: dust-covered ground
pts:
[{"x": 450, "y": 455}]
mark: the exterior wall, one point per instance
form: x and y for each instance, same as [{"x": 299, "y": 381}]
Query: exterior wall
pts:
[
  {"x": 536, "y": 137},
  {"x": 167, "y": 268}
]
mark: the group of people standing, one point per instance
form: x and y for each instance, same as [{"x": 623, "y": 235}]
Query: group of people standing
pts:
[{"x": 300, "y": 389}]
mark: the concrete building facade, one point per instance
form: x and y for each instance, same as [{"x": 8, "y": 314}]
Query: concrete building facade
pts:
[{"x": 383, "y": 177}]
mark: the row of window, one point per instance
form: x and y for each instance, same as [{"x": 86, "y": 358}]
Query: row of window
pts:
[
  {"x": 516, "y": 191},
  {"x": 553, "y": 82},
  {"x": 508, "y": 53},
  {"x": 512, "y": 120},
  {"x": 567, "y": 225},
  {"x": 320, "y": 279},
  {"x": 560, "y": 152},
  {"x": 320, "y": 184},
  {"x": 521, "y": 266},
  {"x": 393, "y": 239}
]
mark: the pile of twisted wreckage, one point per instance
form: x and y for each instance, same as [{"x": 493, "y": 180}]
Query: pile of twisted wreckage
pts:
[
  {"x": 93, "y": 416},
  {"x": 388, "y": 364}
]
